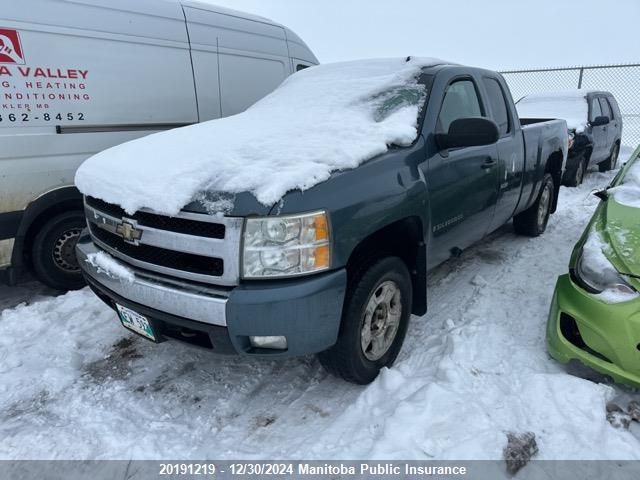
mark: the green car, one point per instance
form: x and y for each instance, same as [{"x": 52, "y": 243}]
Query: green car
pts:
[{"x": 595, "y": 312}]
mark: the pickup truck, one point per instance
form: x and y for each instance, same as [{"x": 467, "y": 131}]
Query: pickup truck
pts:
[{"x": 362, "y": 240}]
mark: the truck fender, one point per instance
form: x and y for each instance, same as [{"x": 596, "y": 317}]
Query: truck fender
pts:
[{"x": 404, "y": 238}]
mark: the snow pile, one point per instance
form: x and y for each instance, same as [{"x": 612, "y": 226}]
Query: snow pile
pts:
[
  {"x": 595, "y": 263},
  {"x": 322, "y": 119},
  {"x": 570, "y": 105},
  {"x": 56, "y": 337},
  {"x": 628, "y": 193},
  {"x": 106, "y": 264}
]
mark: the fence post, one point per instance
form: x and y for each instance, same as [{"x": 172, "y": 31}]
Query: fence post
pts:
[{"x": 580, "y": 78}]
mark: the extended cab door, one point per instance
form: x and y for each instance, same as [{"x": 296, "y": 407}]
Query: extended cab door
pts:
[
  {"x": 510, "y": 149},
  {"x": 462, "y": 182},
  {"x": 599, "y": 134}
]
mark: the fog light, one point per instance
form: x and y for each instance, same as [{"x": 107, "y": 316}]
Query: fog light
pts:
[{"x": 277, "y": 343}]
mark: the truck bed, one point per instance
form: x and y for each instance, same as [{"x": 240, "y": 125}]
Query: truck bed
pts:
[{"x": 542, "y": 138}]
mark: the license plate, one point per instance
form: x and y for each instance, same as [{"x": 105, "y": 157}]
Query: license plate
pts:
[{"x": 136, "y": 322}]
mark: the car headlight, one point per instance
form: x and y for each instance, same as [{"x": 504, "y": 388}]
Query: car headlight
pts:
[
  {"x": 595, "y": 271},
  {"x": 286, "y": 246}
]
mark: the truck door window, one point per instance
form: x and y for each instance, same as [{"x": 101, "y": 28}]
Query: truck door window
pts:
[
  {"x": 606, "y": 110},
  {"x": 498, "y": 103},
  {"x": 460, "y": 101},
  {"x": 596, "y": 111}
]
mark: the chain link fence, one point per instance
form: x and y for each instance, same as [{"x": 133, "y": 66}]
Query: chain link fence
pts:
[{"x": 623, "y": 81}]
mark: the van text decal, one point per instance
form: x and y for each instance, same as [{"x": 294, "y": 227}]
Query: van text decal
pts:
[
  {"x": 38, "y": 93},
  {"x": 40, "y": 72}
]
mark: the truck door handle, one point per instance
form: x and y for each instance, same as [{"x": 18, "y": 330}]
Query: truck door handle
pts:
[{"x": 488, "y": 163}]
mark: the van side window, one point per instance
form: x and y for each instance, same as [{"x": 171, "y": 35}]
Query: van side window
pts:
[
  {"x": 498, "y": 104},
  {"x": 596, "y": 111},
  {"x": 606, "y": 109},
  {"x": 460, "y": 101},
  {"x": 301, "y": 67}
]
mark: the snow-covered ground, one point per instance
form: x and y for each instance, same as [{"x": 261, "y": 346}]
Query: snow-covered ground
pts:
[{"x": 75, "y": 384}]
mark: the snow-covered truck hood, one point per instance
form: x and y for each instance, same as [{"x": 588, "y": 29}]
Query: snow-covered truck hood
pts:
[
  {"x": 320, "y": 120},
  {"x": 570, "y": 105}
]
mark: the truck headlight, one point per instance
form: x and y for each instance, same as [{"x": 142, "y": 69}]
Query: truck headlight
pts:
[
  {"x": 595, "y": 271},
  {"x": 286, "y": 246}
]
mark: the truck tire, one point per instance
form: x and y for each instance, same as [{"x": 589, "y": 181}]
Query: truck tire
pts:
[
  {"x": 53, "y": 253},
  {"x": 611, "y": 162},
  {"x": 575, "y": 178},
  {"x": 375, "y": 318},
  {"x": 533, "y": 221}
]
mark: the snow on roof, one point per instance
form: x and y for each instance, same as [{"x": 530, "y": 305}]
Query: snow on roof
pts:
[
  {"x": 322, "y": 119},
  {"x": 570, "y": 105}
]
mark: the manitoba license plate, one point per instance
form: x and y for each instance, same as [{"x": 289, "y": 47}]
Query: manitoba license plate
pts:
[{"x": 136, "y": 322}]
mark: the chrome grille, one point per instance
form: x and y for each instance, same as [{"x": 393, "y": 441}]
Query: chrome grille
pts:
[
  {"x": 173, "y": 224},
  {"x": 197, "y": 247}
]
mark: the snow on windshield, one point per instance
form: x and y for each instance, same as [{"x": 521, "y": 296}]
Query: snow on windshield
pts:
[
  {"x": 322, "y": 119},
  {"x": 628, "y": 192},
  {"x": 570, "y": 105}
]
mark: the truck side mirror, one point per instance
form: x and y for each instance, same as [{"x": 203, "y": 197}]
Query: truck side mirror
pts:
[
  {"x": 468, "y": 132},
  {"x": 599, "y": 121}
]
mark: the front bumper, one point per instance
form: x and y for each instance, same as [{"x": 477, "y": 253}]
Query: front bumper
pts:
[
  {"x": 306, "y": 311},
  {"x": 604, "y": 337}
]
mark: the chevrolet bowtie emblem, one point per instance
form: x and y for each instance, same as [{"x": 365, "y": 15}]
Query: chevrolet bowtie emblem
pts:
[{"x": 129, "y": 232}]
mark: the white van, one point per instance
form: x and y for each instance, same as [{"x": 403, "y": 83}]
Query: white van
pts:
[{"x": 78, "y": 76}]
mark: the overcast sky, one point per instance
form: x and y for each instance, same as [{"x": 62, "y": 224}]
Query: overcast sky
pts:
[{"x": 497, "y": 34}]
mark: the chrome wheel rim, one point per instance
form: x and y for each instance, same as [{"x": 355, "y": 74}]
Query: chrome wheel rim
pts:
[
  {"x": 543, "y": 208},
  {"x": 381, "y": 320},
  {"x": 64, "y": 250}
]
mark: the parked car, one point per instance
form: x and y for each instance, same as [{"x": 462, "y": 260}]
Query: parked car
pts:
[
  {"x": 595, "y": 125},
  {"x": 392, "y": 179},
  {"x": 79, "y": 77},
  {"x": 596, "y": 306}
]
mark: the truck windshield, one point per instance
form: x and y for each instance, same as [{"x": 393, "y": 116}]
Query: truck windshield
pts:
[
  {"x": 388, "y": 102},
  {"x": 393, "y": 100}
]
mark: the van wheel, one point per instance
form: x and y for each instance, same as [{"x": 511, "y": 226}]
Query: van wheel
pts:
[
  {"x": 374, "y": 321},
  {"x": 533, "y": 221},
  {"x": 612, "y": 162},
  {"x": 53, "y": 254}
]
